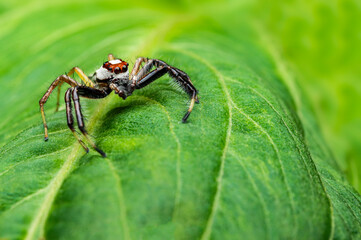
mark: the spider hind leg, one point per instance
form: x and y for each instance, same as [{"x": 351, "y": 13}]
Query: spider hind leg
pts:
[{"x": 184, "y": 81}]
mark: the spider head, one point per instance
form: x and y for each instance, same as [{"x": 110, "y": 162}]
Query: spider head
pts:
[
  {"x": 113, "y": 69},
  {"x": 115, "y": 74}
]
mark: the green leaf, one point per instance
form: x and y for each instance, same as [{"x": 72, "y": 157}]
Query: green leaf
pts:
[{"x": 250, "y": 162}]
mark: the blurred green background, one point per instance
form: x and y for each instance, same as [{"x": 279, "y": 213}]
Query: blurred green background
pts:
[{"x": 319, "y": 41}]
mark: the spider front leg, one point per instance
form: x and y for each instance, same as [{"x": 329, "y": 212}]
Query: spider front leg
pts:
[
  {"x": 87, "y": 92},
  {"x": 82, "y": 76},
  {"x": 61, "y": 79},
  {"x": 143, "y": 77}
]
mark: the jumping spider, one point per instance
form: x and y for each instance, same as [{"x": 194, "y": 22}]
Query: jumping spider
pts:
[{"x": 113, "y": 76}]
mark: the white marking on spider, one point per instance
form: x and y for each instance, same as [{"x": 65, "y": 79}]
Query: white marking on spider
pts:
[
  {"x": 103, "y": 73},
  {"x": 116, "y": 61}
]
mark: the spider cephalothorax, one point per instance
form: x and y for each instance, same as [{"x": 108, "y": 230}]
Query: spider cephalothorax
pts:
[{"x": 113, "y": 76}]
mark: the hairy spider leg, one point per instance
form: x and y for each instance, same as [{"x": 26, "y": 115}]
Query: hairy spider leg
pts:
[
  {"x": 144, "y": 77},
  {"x": 140, "y": 73},
  {"x": 136, "y": 68},
  {"x": 194, "y": 97},
  {"x": 187, "y": 79},
  {"x": 82, "y": 76},
  {"x": 69, "y": 117},
  {"x": 57, "y": 81},
  {"x": 150, "y": 77},
  {"x": 86, "y": 92}
]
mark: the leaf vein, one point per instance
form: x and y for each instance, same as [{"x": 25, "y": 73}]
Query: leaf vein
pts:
[
  {"x": 275, "y": 148},
  {"x": 178, "y": 164},
  {"x": 208, "y": 229},
  {"x": 346, "y": 203},
  {"x": 26, "y": 198},
  {"x": 259, "y": 195},
  {"x": 290, "y": 84},
  {"x": 26, "y": 160}
]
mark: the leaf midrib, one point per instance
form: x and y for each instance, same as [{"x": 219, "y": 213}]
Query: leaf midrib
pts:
[
  {"x": 208, "y": 229},
  {"x": 53, "y": 186}
]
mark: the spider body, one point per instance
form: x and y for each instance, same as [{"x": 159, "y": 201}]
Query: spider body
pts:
[{"x": 113, "y": 75}]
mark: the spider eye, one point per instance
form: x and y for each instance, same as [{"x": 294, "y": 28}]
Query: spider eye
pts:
[
  {"x": 110, "y": 69},
  {"x": 124, "y": 68},
  {"x": 116, "y": 70}
]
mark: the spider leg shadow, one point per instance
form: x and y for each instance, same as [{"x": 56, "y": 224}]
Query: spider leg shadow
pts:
[
  {"x": 87, "y": 159},
  {"x": 124, "y": 107}
]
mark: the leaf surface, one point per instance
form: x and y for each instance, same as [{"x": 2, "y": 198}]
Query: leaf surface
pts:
[{"x": 250, "y": 161}]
